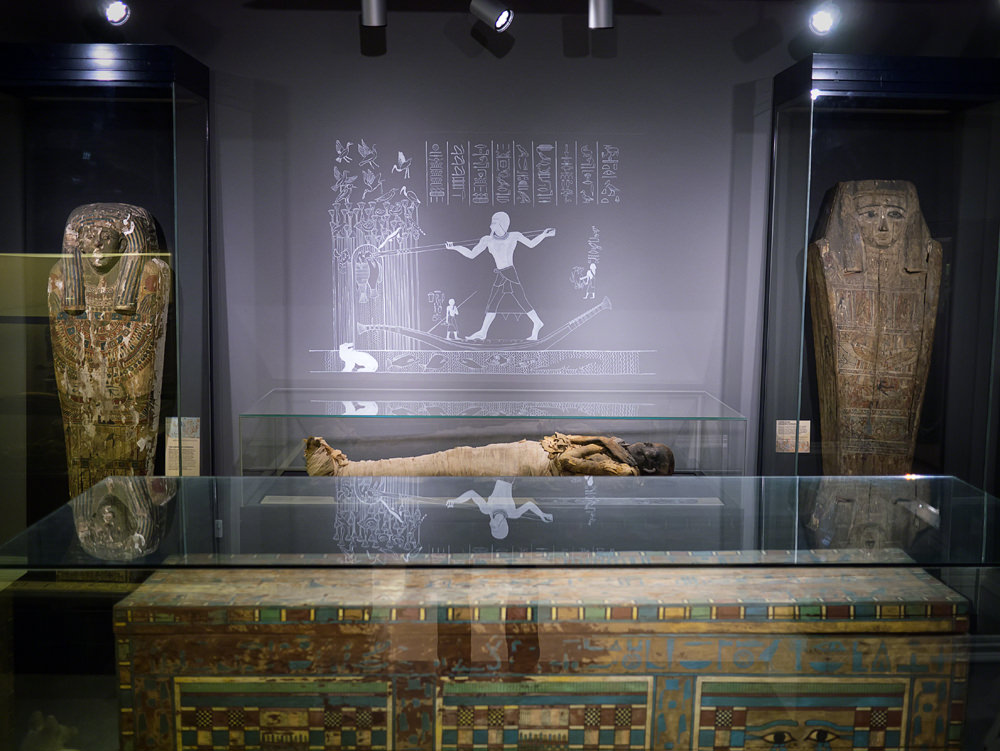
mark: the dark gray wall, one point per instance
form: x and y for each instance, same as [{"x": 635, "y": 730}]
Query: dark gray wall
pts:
[{"x": 685, "y": 96}]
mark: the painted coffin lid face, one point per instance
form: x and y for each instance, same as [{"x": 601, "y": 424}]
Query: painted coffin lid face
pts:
[{"x": 754, "y": 713}]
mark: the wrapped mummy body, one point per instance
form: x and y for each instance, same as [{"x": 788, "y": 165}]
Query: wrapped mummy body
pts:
[{"x": 556, "y": 454}]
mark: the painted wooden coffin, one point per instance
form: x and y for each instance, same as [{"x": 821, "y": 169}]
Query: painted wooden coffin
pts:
[{"x": 542, "y": 658}]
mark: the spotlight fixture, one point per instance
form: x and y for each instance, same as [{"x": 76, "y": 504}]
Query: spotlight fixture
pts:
[
  {"x": 117, "y": 13},
  {"x": 824, "y": 18},
  {"x": 373, "y": 12},
  {"x": 494, "y": 14},
  {"x": 600, "y": 14}
]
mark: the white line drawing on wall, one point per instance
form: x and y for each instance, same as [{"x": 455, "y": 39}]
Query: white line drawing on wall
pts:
[
  {"x": 402, "y": 165},
  {"x": 545, "y": 342},
  {"x": 368, "y": 154},
  {"x": 518, "y": 172},
  {"x": 403, "y": 312},
  {"x": 451, "y": 319},
  {"x": 355, "y": 361},
  {"x": 500, "y": 507},
  {"x": 585, "y": 279},
  {"x": 501, "y": 243}
]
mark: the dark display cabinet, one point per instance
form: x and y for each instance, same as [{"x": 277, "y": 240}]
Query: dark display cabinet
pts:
[
  {"x": 83, "y": 124},
  {"x": 933, "y": 123}
]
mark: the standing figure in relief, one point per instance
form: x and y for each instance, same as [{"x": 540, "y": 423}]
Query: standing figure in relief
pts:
[
  {"x": 873, "y": 274},
  {"x": 501, "y": 243},
  {"x": 451, "y": 320},
  {"x": 107, "y": 300}
]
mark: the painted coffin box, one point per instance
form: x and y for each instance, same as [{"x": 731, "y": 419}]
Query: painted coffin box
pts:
[{"x": 542, "y": 658}]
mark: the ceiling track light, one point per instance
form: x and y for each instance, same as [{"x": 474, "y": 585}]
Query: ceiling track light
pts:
[
  {"x": 824, "y": 18},
  {"x": 117, "y": 13},
  {"x": 494, "y": 14},
  {"x": 373, "y": 12},
  {"x": 600, "y": 14}
]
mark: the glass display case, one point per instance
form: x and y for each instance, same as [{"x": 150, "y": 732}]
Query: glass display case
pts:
[
  {"x": 659, "y": 612},
  {"x": 705, "y": 435},
  {"x": 906, "y": 351},
  {"x": 106, "y": 125}
]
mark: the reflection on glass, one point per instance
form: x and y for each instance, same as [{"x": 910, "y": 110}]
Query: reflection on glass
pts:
[
  {"x": 500, "y": 507},
  {"x": 122, "y": 518},
  {"x": 373, "y": 516},
  {"x": 868, "y": 514}
]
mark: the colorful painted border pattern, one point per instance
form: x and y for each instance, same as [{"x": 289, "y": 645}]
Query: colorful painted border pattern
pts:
[
  {"x": 544, "y": 713},
  {"x": 876, "y": 709},
  {"x": 314, "y": 714},
  {"x": 730, "y": 612}
]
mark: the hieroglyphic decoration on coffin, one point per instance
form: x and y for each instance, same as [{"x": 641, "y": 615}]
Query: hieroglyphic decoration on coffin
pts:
[
  {"x": 743, "y": 713},
  {"x": 553, "y": 712},
  {"x": 874, "y": 274},
  {"x": 107, "y": 301},
  {"x": 857, "y": 658},
  {"x": 519, "y": 172},
  {"x": 222, "y": 713}
]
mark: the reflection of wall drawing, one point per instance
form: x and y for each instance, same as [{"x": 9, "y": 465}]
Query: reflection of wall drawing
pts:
[
  {"x": 489, "y": 407},
  {"x": 496, "y": 362},
  {"x": 500, "y": 507},
  {"x": 377, "y": 515},
  {"x": 528, "y": 173}
]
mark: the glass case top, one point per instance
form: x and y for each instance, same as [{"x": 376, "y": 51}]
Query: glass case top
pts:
[
  {"x": 509, "y": 403},
  {"x": 143, "y": 522}
]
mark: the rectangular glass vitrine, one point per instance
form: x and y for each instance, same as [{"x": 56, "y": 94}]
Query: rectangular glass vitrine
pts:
[
  {"x": 705, "y": 435},
  {"x": 662, "y": 612}
]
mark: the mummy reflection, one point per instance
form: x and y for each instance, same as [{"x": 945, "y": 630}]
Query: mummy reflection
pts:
[{"x": 553, "y": 455}]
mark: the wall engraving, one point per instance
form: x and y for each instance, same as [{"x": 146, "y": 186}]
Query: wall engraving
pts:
[{"x": 405, "y": 301}]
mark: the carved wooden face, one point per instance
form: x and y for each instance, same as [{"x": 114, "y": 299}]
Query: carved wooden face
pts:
[
  {"x": 101, "y": 245},
  {"x": 882, "y": 217}
]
